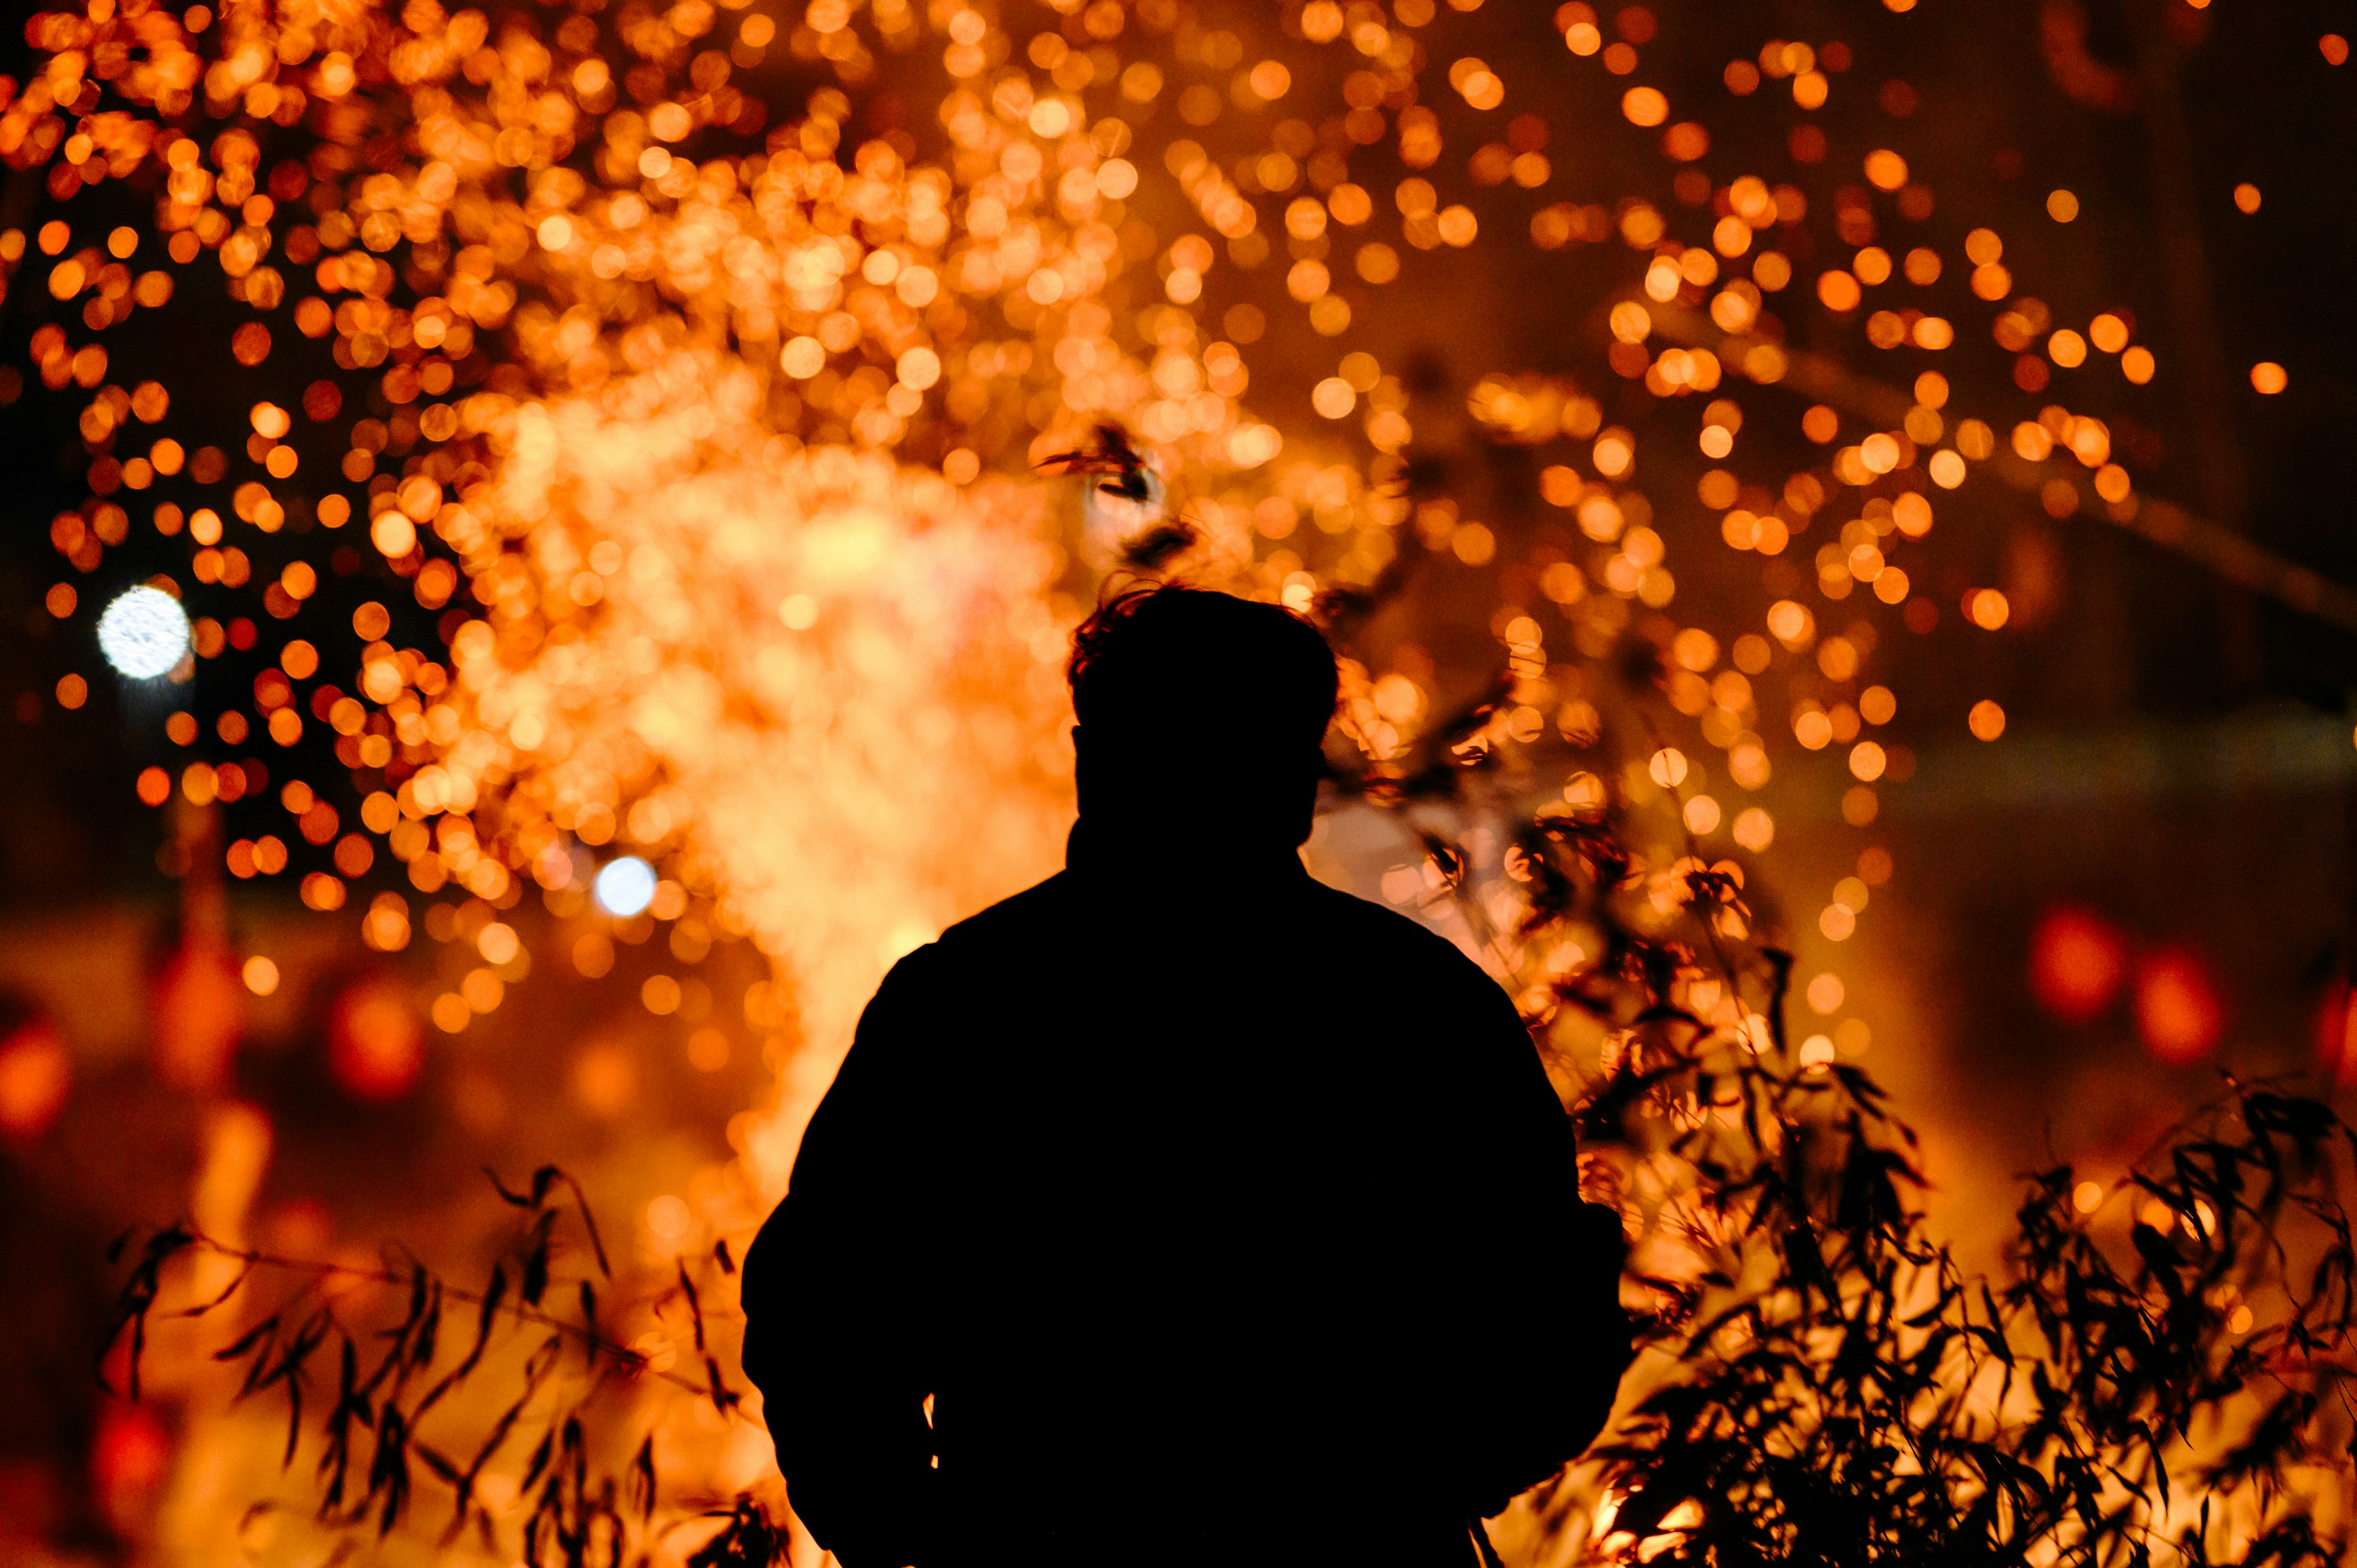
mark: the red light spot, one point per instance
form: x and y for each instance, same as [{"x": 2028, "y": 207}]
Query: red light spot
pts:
[
  {"x": 35, "y": 1074},
  {"x": 376, "y": 1048},
  {"x": 2077, "y": 962},
  {"x": 129, "y": 1458},
  {"x": 2336, "y": 1033},
  {"x": 2177, "y": 1007}
]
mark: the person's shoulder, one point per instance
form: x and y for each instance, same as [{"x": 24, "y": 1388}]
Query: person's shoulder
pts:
[
  {"x": 985, "y": 937},
  {"x": 1040, "y": 904},
  {"x": 1389, "y": 938},
  {"x": 954, "y": 964}
]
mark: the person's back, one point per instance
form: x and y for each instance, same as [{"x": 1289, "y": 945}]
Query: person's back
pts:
[{"x": 1213, "y": 1210}]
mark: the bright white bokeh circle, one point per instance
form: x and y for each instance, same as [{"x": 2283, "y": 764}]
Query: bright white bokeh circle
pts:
[
  {"x": 143, "y": 633},
  {"x": 625, "y": 886}
]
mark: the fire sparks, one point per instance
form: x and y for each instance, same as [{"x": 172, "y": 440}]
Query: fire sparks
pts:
[{"x": 671, "y": 428}]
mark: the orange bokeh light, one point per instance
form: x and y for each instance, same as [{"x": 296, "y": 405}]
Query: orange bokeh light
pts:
[
  {"x": 376, "y": 1048},
  {"x": 2336, "y": 1033},
  {"x": 2178, "y": 1009},
  {"x": 199, "y": 1003},
  {"x": 35, "y": 1074}
]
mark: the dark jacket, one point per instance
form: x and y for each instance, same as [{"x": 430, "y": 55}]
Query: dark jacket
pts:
[{"x": 1223, "y": 1218}]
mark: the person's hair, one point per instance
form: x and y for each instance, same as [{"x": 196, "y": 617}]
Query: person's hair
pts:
[{"x": 1267, "y": 673}]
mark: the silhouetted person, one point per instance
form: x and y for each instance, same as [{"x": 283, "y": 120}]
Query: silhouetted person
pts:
[{"x": 1223, "y": 1218}]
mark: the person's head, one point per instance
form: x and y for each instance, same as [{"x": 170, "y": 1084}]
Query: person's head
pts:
[{"x": 1200, "y": 713}]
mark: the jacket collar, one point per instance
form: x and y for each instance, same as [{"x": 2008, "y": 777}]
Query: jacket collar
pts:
[{"x": 1183, "y": 852}]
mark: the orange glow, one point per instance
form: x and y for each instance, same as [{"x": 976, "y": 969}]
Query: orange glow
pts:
[
  {"x": 2336, "y": 1033},
  {"x": 200, "y": 1012},
  {"x": 376, "y": 1048},
  {"x": 35, "y": 1075},
  {"x": 2177, "y": 1010}
]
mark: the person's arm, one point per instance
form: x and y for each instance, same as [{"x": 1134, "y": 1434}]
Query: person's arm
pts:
[
  {"x": 1547, "y": 1339},
  {"x": 835, "y": 1331}
]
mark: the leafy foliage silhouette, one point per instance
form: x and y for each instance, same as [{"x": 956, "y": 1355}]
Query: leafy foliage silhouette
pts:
[
  {"x": 550, "y": 1406},
  {"x": 1821, "y": 1381}
]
